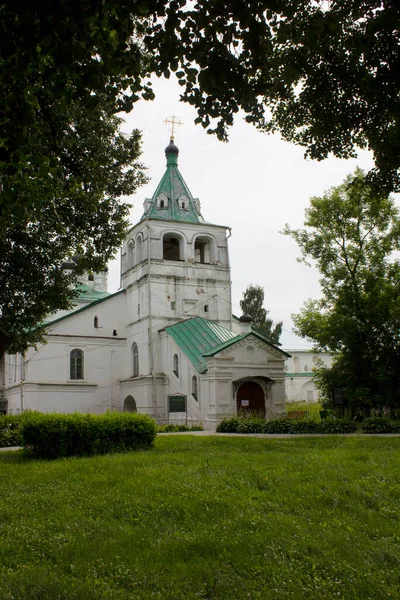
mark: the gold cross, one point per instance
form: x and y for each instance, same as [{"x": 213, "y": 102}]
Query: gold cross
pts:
[{"x": 173, "y": 122}]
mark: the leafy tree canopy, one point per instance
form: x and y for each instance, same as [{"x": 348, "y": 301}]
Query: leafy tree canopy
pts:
[
  {"x": 324, "y": 74},
  {"x": 252, "y": 304},
  {"x": 352, "y": 234}
]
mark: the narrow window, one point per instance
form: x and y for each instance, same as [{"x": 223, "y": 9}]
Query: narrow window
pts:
[
  {"x": 96, "y": 321},
  {"x": 194, "y": 387},
  {"x": 130, "y": 257},
  {"x": 161, "y": 203},
  {"x": 139, "y": 250},
  {"x": 306, "y": 369},
  {"x": 206, "y": 308},
  {"x": 135, "y": 360},
  {"x": 76, "y": 364},
  {"x": 183, "y": 205},
  {"x": 91, "y": 277},
  {"x": 175, "y": 367},
  {"x": 173, "y": 305},
  {"x": 296, "y": 363}
]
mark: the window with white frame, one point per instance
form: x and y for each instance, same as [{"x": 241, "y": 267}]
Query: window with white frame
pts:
[{"x": 76, "y": 364}]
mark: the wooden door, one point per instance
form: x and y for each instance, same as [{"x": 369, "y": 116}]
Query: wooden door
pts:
[{"x": 251, "y": 398}]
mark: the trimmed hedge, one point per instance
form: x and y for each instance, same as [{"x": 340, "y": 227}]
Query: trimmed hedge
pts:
[
  {"x": 171, "y": 428},
  {"x": 55, "y": 435},
  {"x": 337, "y": 426},
  {"x": 258, "y": 425}
]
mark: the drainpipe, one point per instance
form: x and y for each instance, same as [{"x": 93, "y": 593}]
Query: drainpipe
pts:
[
  {"x": 150, "y": 330},
  {"x": 21, "y": 383},
  {"x": 229, "y": 271}
]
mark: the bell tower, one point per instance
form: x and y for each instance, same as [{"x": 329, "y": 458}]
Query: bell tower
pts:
[{"x": 174, "y": 264}]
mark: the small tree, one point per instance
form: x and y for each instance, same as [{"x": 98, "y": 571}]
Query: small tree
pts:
[
  {"x": 351, "y": 235},
  {"x": 252, "y": 304}
]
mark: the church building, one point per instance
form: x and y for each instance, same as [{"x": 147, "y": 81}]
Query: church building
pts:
[{"x": 166, "y": 344}]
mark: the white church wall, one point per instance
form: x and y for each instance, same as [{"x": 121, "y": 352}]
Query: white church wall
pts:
[
  {"x": 299, "y": 382},
  {"x": 47, "y": 383}
]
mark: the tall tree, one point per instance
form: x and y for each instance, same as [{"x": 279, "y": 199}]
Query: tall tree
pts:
[
  {"x": 252, "y": 304},
  {"x": 352, "y": 233}
]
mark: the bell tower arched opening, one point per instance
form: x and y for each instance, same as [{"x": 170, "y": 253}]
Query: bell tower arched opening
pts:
[{"x": 172, "y": 247}]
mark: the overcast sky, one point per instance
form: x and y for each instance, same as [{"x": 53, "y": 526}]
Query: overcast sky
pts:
[{"x": 254, "y": 184}]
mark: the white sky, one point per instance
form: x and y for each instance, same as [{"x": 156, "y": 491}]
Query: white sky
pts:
[{"x": 255, "y": 184}]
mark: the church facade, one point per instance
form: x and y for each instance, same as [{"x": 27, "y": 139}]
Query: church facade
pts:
[{"x": 166, "y": 344}]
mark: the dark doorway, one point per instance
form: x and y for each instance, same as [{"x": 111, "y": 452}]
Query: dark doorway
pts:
[{"x": 251, "y": 398}]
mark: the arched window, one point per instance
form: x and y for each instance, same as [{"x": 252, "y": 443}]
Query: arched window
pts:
[
  {"x": 172, "y": 248},
  {"x": 162, "y": 201},
  {"x": 175, "y": 365},
  {"x": 194, "y": 387},
  {"x": 296, "y": 362},
  {"x": 129, "y": 405},
  {"x": 76, "y": 370},
  {"x": 204, "y": 250},
  {"x": 183, "y": 202},
  {"x": 135, "y": 360},
  {"x": 130, "y": 256},
  {"x": 96, "y": 321},
  {"x": 139, "y": 249},
  {"x": 305, "y": 368}
]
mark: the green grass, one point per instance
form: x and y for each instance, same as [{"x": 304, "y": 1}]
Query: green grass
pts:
[{"x": 197, "y": 517}]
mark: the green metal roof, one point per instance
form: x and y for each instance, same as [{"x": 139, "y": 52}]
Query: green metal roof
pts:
[
  {"x": 87, "y": 293},
  {"x": 199, "y": 338},
  {"x": 196, "y": 336},
  {"x": 174, "y": 188}
]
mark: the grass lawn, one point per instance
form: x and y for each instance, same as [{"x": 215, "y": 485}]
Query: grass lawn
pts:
[{"x": 198, "y": 517}]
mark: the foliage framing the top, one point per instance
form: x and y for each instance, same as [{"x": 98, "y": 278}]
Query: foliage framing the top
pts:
[{"x": 324, "y": 74}]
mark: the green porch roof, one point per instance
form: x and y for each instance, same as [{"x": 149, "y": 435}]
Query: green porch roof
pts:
[
  {"x": 173, "y": 189},
  {"x": 199, "y": 338},
  {"x": 196, "y": 336}
]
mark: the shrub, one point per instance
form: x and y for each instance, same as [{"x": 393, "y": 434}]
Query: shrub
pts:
[
  {"x": 276, "y": 426},
  {"x": 229, "y": 425},
  {"x": 57, "y": 435},
  {"x": 377, "y": 425},
  {"x": 171, "y": 428},
  {"x": 396, "y": 426},
  {"x": 304, "y": 427},
  {"x": 251, "y": 425},
  {"x": 337, "y": 426},
  {"x": 10, "y": 430}
]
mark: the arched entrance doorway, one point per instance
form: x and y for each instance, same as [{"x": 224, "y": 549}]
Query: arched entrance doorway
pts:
[
  {"x": 250, "y": 398},
  {"x": 129, "y": 405}
]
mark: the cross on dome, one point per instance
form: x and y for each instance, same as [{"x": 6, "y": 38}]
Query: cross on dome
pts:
[{"x": 174, "y": 123}]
